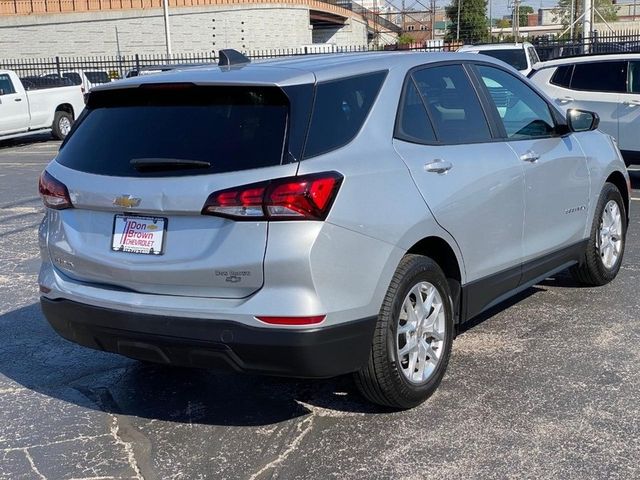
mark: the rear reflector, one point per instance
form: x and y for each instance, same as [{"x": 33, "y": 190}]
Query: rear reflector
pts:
[
  {"x": 307, "y": 197},
  {"x": 53, "y": 192},
  {"x": 44, "y": 289},
  {"x": 293, "y": 320}
]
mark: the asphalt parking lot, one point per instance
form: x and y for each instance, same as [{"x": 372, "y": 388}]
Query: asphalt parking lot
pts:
[{"x": 546, "y": 387}]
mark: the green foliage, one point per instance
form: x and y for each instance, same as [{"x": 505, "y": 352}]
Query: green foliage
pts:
[
  {"x": 525, "y": 10},
  {"x": 405, "y": 39},
  {"x": 473, "y": 20},
  {"x": 503, "y": 23},
  {"x": 562, "y": 13}
]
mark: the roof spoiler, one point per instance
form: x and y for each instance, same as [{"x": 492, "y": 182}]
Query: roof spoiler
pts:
[{"x": 230, "y": 57}]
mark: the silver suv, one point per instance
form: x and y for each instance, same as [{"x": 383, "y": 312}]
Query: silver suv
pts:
[{"x": 319, "y": 216}]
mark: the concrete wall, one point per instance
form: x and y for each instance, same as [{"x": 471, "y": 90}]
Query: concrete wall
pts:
[
  {"x": 354, "y": 32},
  {"x": 194, "y": 29}
]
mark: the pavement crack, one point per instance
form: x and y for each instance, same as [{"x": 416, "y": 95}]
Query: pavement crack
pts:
[
  {"x": 303, "y": 429},
  {"x": 56, "y": 442},
  {"x": 128, "y": 446},
  {"x": 33, "y": 465}
]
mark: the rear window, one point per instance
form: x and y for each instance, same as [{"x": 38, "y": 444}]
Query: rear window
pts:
[
  {"x": 97, "y": 77},
  {"x": 178, "y": 129},
  {"x": 74, "y": 77},
  {"x": 514, "y": 57},
  {"x": 340, "y": 109}
]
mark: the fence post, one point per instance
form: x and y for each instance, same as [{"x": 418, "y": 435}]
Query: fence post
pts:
[
  {"x": 58, "y": 69},
  {"x": 137, "y": 63}
]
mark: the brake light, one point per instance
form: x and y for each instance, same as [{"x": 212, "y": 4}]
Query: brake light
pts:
[
  {"x": 293, "y": 320},
  {"x": 307, "y": 197},
  {"x": 53, "y": 192}
]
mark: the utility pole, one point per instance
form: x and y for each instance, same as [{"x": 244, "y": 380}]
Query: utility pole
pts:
[
  {"x": 403, "y": 17},
  {"x": 167, "y": 28},
  {"x": 573, "y": 16},
  {"x": 586, "y": 25},
  {"x": 490, "y": 22},
  {"x": 515, "y": 22},
  {"x": 433, "y": 19}
]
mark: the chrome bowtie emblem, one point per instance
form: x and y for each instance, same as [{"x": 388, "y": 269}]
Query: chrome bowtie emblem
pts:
[{"x": 126, "y": 201}]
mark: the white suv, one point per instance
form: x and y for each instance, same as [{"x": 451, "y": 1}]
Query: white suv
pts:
[
  {"x": 521, "y": 56},
  {"x": 606, "y": 84}
]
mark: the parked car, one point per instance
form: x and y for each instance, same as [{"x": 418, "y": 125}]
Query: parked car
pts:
[
  {"x": 606, "y": 84},
  {"x": 320, "y": 216},
  {"x": 521, "y": 56},
  {"x": 35, "y": 104}
]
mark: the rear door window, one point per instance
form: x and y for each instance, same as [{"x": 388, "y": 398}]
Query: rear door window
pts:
[
  {"x": 413, "y": 124},
  {"x": 600, "y": 77},
  {"x": 340, "y": 109},
  {"x": 562, "y": 76},
  {"x": 178, "y": 129},
  {"x": 6, "y": 85},
  {"x": 454, "y": 107}
]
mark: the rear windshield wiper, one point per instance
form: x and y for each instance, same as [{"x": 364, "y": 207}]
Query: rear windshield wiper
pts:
[{"x": 167, "y": 163}]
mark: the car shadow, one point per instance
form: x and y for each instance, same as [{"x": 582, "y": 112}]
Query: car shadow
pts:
[
  {"x": 27, "y": 140},
  {"x": 35, "y": 357}
]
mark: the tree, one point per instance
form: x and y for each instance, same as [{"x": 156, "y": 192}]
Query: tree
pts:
[
  {"x": 524, "y": 12},
  {"x": 562, "y": 13},
  {"x": 503, "y": 23},
  {"x": 473, "y": 20}
]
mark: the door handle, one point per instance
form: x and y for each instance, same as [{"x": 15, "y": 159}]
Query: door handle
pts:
[
  {"x": 530, "y": 156},
  {"x": 565, "y": 100},
  {"x": 438, "y": 166},
  {"x": 17, "y": 99},
  {"x": 632, "y": 103}
]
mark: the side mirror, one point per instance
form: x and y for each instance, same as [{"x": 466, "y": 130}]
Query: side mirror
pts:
[{"x": 582, "y": 121}]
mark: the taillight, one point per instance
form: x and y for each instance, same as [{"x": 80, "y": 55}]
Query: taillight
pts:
[
  {"x": 308, "y": 197},
  {"x": 53, "y": 192}
]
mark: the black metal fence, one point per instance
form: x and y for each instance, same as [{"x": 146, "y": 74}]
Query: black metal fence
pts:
[
  {"x": 549, "y": 48},
  {"x": 120, "y": 66}
]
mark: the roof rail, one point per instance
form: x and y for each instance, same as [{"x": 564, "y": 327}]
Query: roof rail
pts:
[{"x": 229, "y": 57}]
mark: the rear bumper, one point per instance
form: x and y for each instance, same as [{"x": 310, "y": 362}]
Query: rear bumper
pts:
[{"x": 319, "y": 352}]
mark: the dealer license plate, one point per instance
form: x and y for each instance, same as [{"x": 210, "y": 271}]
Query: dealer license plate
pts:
[{"x": 135, "y": 234}]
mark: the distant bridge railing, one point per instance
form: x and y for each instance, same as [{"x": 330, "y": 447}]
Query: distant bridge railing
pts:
[{"x": 35, "y": 7}]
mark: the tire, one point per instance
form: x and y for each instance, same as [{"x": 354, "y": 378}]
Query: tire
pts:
[
  {"x": 595, "y": 267},
  {"x": 62, "y": 122},
  {"x": 384, "y": 380}
]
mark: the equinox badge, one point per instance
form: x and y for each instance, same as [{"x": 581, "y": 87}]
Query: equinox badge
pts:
[{"x": 126, "y": 201}]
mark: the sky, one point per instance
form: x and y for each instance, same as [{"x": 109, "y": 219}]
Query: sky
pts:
[{"x": 499, "y": 7}]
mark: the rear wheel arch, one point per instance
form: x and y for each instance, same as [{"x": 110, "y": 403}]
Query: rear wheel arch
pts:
[
  {"x": 441, "y": 252},
  {"x": 66, "y": 107}
]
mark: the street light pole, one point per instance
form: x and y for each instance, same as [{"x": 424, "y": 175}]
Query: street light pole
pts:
[{"x": 167, "y": 28}]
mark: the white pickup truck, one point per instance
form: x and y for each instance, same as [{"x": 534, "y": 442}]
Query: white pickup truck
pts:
[{"x": 27, "y": 111}]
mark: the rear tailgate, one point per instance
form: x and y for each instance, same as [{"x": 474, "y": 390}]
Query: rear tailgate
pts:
[{"x": 150, "y": 159}]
